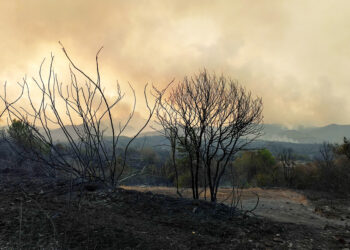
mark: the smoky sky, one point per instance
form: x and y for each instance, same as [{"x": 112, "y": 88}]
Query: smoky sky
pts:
[{"x": 294, "y": 54}]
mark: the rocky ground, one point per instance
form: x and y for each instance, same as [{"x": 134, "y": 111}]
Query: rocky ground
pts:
[{"x": 46, "y": 215}]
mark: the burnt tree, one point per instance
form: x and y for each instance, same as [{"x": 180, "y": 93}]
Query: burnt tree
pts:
[{"x": 212, "y": 118}]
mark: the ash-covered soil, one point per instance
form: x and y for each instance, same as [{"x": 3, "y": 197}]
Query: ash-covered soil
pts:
[{"x": 45, "y": 215}]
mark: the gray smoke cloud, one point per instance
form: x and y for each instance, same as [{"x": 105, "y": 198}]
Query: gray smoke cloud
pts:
[{"x": 294, "y": 54}]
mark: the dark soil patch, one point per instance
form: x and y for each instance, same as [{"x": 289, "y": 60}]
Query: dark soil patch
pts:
[{"x": 330, "y": 205}]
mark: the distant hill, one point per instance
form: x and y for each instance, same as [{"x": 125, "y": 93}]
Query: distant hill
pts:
[
  {"x": 308, "y": 135},
  {"x": 303, "y": 141},
  {"x": 332, "y": 133}
]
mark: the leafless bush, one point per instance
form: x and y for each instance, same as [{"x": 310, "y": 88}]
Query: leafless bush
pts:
[
  {"x": 288, "y": 163},
  {"x": 83, "y": 112}
]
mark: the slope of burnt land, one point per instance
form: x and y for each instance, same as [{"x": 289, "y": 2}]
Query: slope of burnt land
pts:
[{"x": 36, "y": 215}]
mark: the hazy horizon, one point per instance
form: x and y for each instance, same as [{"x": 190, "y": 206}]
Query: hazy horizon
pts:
[{"x": 292, "y": 54}]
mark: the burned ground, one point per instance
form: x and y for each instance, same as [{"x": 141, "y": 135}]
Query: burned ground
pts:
[{"x": 36, "y": 214}]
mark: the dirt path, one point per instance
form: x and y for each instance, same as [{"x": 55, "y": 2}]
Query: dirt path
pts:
[
  {"x": 276, "y": 204},
  {"x": 285, "y": 210}
]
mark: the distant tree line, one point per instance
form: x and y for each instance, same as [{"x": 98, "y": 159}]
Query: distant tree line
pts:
[{"x": 329, "y": 172}]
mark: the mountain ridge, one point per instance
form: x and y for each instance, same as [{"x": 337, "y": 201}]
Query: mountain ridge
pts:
[{"x": 333, "y": 133}]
